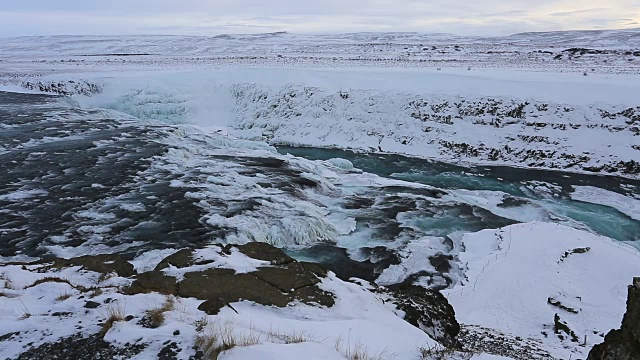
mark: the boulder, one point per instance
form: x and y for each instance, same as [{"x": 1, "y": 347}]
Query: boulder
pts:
[
  {"x": 265, "y": 252},
  {"x": 180, "y": 259}
]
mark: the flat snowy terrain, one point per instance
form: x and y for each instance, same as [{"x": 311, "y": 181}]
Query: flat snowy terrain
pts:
[{"x": 502, "y": 172}]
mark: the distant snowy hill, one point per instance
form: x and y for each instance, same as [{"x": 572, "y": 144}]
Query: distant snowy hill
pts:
[
  {"x": 287, "y": 42},
  {"x": 606, "y": 51}
]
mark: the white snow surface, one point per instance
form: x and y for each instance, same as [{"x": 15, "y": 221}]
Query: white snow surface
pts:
[
  {"x": 537, "y": 50},
  {"x": 358, "y": 320},
  {"x": 512, "y": 272}
]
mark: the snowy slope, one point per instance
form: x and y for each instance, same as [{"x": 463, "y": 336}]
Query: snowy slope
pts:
[{"x": 515, "y": 275}]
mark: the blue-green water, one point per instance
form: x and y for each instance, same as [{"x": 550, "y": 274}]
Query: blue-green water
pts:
[{"x": 522, "y": 184}]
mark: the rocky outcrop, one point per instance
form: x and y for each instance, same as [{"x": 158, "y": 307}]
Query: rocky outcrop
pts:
[
  {"x": 623, "y": 344},
  {"x": 529, "y": 133},
  {"x": 279, "y": 284},
  {"x": 284, "y": 281},
  {"x": 69, "y": 87},
  {"x": 427, "y": 310},
  {"x": 103, "y": 264}
]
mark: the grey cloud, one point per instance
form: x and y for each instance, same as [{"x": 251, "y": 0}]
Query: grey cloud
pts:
[
  {"x": 577, "y": 12},
  {"x": 35, "y": 17}
]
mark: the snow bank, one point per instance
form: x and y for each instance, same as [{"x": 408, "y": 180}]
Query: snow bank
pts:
[{"x": 514, "y": 275}]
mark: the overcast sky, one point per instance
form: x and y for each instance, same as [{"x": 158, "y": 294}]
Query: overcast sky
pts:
[{"x": 212, "y": 17}]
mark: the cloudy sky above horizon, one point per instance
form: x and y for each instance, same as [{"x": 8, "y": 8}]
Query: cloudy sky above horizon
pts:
[{"x": 212, "y": 17}]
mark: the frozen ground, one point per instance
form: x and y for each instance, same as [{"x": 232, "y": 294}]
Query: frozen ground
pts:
[{"x": 563, "y": 101}]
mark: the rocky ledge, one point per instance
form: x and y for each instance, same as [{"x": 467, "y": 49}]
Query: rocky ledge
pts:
[
  {"x": 72, "y": 308},
  {"x": 624, "y": 343}
]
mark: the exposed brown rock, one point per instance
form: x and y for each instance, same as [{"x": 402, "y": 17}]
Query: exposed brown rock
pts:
[
  {"x": 180, "y": 259},
  {"x": 265, "y": 252},
  {"x": 292, "y": 276},
  {"x": 103, "y": 264},
  {"x": 153, "y": 281},
  {"x": 277, "y": 285}
]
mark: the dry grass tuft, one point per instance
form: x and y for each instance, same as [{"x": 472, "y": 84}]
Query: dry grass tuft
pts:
[
  {"x": 156, "y": 316},
  {"x": 64, "y": 296},
  {"x": 6, "y": 282},
  {"x": 443, "y": 353},
  {"x": 201, "y": 324},
  {"x": 222, "y": 338},
  {"x": 50, "y": 279},
  {"x": 207, "y": 344},
  {"x": 60, "y": 280},
  {"x": 114, "y": 314},
  {"x": 358, "y": 351},
  {"x": 295, "y": 337},
  {"x": 95, "y": 292}
]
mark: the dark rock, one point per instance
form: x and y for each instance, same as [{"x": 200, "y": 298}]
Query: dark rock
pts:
[
  {"x": 180, "y": 259},
  {"x": 265, "y": 252},
  {"x": 80, "y": 347},
  {"x": 91, "y": 304},
  {"x": 313, "y": 295},
  {"x": 286, "y": 280},
  {"x": 153, "y": 281},
  {"x": 560, "y": 326},
  {"x": 623, "y": 344},
  {"x": 169, "y": 352},
  {"x": 8, "y": 336},
  {"x": 557, "y": 303},
  {"x": 62, "y": 314},
  {"x": 427, "y": 310},
  {"x": 176, "y": 333},
  {"x": 510, "y": 201},
  {"x": 291, "y": 277},
  {"x": 225, "y": 284},
  {"x": 441, "y": 262},
  {"x": 574, "y": 251},
  {"x": 104, "y": 264},
  {"x": 129, "y": 318}
]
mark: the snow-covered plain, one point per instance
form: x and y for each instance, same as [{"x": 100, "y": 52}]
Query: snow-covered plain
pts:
[{"x": 564, "y": 101}]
